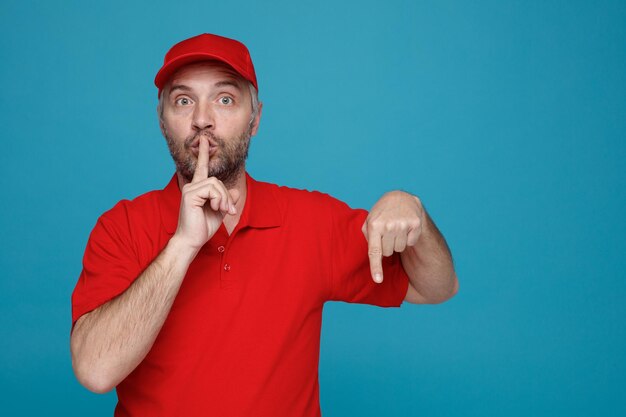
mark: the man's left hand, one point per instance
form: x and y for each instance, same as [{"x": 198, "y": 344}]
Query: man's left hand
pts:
[{"x": 394, "y": 223}]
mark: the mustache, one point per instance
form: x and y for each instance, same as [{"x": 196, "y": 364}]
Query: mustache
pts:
[{"x": 195, "y": 139}]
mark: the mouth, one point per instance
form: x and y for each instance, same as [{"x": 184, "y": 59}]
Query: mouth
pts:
[
  {"x": 196, "y": 150},
  {"x": 195, "y": 147},
  {"x": 196, "y": 143}
]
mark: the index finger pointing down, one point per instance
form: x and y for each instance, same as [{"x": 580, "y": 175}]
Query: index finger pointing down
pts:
[{"x": 375, "y": 253}]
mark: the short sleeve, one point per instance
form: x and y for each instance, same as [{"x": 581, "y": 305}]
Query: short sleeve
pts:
[
  {"x": 351, "y": 280},
  {"x": 110, "y": 263}
]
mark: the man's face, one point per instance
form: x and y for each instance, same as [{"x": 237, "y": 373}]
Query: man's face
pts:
[{"x": 208, "y": 98}]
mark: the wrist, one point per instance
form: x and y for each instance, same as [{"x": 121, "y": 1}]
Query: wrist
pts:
[{"x": 181, "y": 249}]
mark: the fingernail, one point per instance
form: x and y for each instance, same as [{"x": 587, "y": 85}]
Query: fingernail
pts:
[{"x": 378, "y": 277}]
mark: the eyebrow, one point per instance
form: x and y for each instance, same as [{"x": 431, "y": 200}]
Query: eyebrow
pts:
[
  {"x": 216, "y": 85},
  {"x": 225, "y": 83}
]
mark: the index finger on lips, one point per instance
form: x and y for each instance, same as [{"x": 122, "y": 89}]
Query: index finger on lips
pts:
[
  {"x": 375, "y": 253},
  {"x": 202, "y": 167}
]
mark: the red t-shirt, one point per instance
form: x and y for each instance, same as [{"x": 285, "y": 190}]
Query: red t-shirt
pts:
[{"x": 242, "y": 337}]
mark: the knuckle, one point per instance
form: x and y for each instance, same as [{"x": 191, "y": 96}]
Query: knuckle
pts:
[
  {"x": 216, "y": 181},
  {"x": 395, "y": 226},
  {"x": 374, "y": 251},
  {"x": 412, "y": 239},
  {"x": 376, "y": 224}
]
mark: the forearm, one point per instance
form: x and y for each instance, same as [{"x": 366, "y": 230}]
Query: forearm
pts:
[
  {"x": 429, "y": 264},
  {"x": 108, "y": 343}
]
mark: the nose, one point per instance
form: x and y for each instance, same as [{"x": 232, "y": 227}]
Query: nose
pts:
[{"x": 203, "y": 117}]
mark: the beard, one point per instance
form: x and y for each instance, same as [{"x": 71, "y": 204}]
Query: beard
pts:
[{"x": 227, "y": 165}]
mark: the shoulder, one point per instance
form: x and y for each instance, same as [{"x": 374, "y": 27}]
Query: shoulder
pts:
[
  {"x": 298, "y": 203},
  {"x": 292, "y": 197},
  {"x": 141, "y": 203},
  {"x": 128, "y": 212}
]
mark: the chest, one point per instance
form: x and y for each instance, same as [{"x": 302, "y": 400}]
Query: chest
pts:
[{"x": 254, "y": 277}]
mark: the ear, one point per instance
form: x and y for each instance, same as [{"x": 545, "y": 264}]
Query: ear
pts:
[
  {"x": 159, "y": 117},
  {"x": 161, "y": 125},
  {"x": 257, "y": 119}
]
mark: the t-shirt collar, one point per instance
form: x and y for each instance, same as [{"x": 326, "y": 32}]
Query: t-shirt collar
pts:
[{"x": 260, "y": 209}]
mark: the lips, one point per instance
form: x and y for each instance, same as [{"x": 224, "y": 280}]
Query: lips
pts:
[
  {"x": 196, "y": 150},
  {"x": 195, "y": 147},
  {"x": 196, "y": 143}
]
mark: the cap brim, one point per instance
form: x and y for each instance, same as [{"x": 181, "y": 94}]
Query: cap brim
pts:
[{"x": 168, "y": 70}]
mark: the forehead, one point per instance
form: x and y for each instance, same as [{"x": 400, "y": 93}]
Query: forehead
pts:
[{"x": 205, "y": 70}]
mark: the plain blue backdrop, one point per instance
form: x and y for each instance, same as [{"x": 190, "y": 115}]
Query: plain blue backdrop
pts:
[{"x": 507, "y": 118}]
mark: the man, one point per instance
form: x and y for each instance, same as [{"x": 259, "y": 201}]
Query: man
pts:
[{"x": 205, "y": 298}]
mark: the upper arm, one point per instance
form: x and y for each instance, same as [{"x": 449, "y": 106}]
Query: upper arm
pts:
[
  {"x": 79, "y": 323},
  {"x": 74, "y": 339},
  {"x": 76, "y": 325},
  {"x": 350, "y": 278},
  {"x": 413, "y": 297},
  {"x": 110, "y": 263}
]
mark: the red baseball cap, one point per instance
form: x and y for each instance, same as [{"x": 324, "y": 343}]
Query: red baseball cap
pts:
[{"x": 203, "y": 47}]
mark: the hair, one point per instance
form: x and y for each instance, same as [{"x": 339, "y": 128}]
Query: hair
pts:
[{"x": 254, "y": 94}]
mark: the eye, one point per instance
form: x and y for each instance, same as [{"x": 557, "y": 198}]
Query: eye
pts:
[
  {"x": 226, "y": 100},
  {"x": 183, "y": 101}
]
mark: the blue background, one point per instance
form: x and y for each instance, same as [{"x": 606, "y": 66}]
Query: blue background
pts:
[{"x": 507, "y": 118}]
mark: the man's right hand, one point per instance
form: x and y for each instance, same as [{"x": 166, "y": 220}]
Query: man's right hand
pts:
[{"x": 204, "y": 203}]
